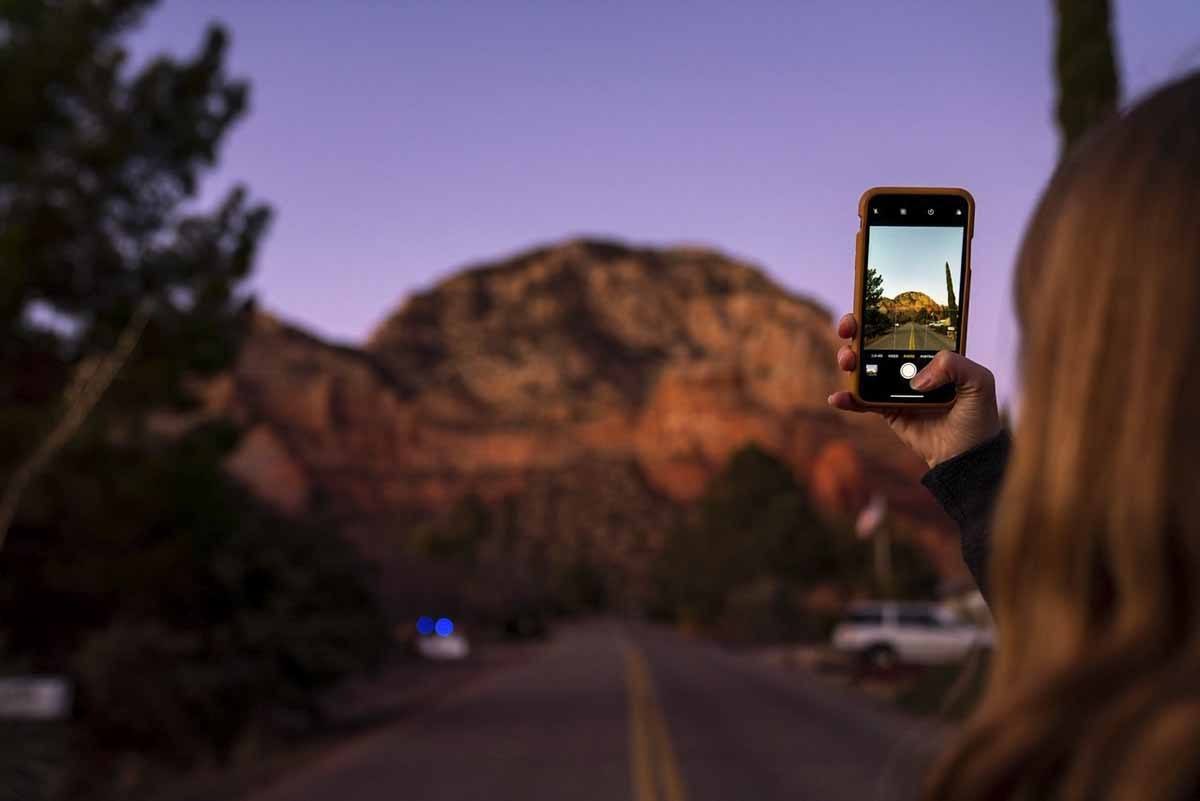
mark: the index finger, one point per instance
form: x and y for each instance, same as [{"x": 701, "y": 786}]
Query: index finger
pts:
[{"x": 847, "y": 327}]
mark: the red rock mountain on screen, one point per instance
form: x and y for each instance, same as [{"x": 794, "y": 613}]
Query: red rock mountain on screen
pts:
[
  {"x": 910, "y": 305},
  {"x": 593, "y": 385}
]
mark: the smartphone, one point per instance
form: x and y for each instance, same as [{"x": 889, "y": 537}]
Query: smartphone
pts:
[{"x": 911, "y": 290}]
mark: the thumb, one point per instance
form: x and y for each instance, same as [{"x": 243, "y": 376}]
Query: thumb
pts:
[{"x": 948, "y": 367}]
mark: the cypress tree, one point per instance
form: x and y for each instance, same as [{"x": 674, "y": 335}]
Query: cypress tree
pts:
[
  {"x": 1086, "y": 67},
  {"x": 951, "y": 305}
]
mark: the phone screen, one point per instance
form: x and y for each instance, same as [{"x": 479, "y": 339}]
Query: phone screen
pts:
[{"x": 916, "y": 259}]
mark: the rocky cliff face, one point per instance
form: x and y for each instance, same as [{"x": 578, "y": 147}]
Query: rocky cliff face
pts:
[
  {"x": 594, "y": 385},
  {"x": 911, "y": 306}
]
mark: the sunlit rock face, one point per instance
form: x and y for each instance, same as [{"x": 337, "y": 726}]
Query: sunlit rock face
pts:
[{"x": 595, "y": 386}]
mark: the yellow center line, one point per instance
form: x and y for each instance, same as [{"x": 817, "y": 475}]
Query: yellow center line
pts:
[
  {"x": 642, "y": 772},
  {"x": 912, "y": 335},
  {"x": 654, "y": 768}
]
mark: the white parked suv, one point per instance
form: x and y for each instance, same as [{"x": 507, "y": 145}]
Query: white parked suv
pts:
[{"x": 887, "y": 632}]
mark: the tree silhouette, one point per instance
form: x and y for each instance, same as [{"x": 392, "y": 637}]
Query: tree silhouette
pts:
[
  {"x": 875, "y": 320},
  {"x": 755, "y": 534},
  {"x": 951, "y": 305},
  {"x": 102, "y": 251},
  {"x": 754, "y": 520},
  {"x": 187, "y": 610},
  {"x": 1086, "y": 64}
]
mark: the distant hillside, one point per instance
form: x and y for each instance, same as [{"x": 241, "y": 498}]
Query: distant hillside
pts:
[
  {"x": 911, "y": 306},
  {"x": 591, "y": 387}
]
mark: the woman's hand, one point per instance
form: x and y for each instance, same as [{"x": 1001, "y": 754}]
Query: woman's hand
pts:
[{"x": 935, "y": 434}]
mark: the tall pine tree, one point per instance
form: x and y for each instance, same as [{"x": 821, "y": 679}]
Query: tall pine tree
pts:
[
  {"x": 1085, "y": 61},
  {"x": 186, "y": 611},
  {"x": 875, "y": 320},
  {"x": 951, "y": 304},
  {"x": 102, "y": 251},
  {"x": 98, "y": 169}
]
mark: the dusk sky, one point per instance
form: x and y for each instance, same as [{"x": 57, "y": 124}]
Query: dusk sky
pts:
[
  {"x": 915, "y": 259},
  {"x": 398, "y": 141}
]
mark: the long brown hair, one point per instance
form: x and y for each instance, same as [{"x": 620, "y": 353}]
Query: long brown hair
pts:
[{"x": 1095, "y": 687}]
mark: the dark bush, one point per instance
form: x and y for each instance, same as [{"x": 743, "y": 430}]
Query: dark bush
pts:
[{"x": 187, "y": 610}]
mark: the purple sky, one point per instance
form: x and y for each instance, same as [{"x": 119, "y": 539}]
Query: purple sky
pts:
[{"x": 400, "y": 140}]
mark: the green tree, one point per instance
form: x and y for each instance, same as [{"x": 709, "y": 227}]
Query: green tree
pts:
[
  {"x": 1086, "y": 66},
  {"x": 189, "y": 613},
  {"x": 754, "y": 542},
  {"x": 458, "y": 535},
  {"x": 951, "y": 303},
  {"x": 913, "y": 574},
  {"x": 186, "y": 609},
  {"x": 580, "y": 586},
  {"x": 98, "y": 231},
  {"x": 753, "y": 521},
  {"x": 875, "y": 320}
]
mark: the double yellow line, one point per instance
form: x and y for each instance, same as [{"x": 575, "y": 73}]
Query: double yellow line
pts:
[{"x": 654, "y": 768}]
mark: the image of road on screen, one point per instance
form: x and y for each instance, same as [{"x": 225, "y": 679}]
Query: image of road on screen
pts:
[{"x": 911, "y": 292}]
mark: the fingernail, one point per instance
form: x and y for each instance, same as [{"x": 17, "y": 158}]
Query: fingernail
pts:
[
  {"x": 921, "y": 380},
  {"x": 829, "y": 400}
]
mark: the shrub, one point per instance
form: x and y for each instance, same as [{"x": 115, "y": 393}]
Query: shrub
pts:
[{"x": 186, "y": 609}]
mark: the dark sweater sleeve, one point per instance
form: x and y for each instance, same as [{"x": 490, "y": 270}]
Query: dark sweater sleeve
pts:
[{"x": 966, "y": 487}]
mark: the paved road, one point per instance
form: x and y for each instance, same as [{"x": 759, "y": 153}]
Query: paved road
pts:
[
  {"x": 912, "y": 336},
  {"x": 614, "y": 713}
]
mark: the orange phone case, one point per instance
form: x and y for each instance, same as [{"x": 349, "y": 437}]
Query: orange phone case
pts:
[{"x": 860, "y": 269}]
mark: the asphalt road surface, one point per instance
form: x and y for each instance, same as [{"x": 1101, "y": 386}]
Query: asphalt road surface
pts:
[
  {"x": 912, "y": 336},
  {"x": 609, "y": 712}
]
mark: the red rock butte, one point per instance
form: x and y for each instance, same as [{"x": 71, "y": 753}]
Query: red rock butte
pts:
[{"x": 595, "y": 386}]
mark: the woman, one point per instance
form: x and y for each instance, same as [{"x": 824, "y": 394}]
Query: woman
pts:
[{"x": 1094, "y": 568}]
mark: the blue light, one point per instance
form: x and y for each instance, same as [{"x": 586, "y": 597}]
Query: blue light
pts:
[
  {"x": 425, "y": 626},
  {"x": 444, "y": 627}
]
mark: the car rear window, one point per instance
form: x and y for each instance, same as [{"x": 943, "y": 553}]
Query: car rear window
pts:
[
  {"x": 865, "y": 616},
  {"x": 913, "y": 617}
]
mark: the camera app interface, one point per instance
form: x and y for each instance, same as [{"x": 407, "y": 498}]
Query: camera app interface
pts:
[{"x": 911, "y": 293}]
